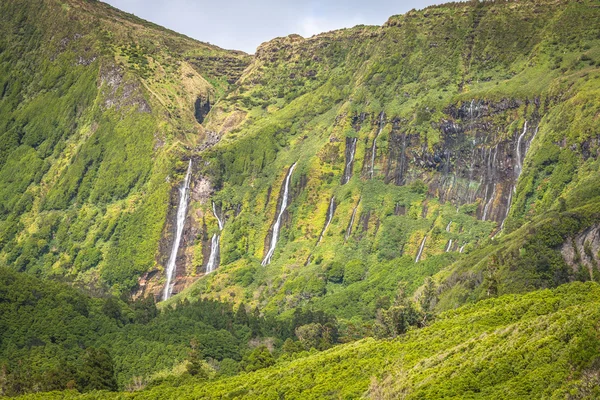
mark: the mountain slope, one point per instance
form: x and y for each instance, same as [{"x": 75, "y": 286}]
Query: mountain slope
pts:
[
  {"x": 429, "y": 135},
  {"x": 96, "y": 108},
  {"x": 517, "y": 347}
]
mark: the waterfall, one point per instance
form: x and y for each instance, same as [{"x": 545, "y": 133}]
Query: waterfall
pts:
[
  {"x": 350, "y": 161},
  {"x": 488, "y": 204},
  {"x": 330, "y": 211},
  {"x": 448, "y": 226},
  {"x": 421, "y": 249},
  {"x": 374, "y": 147},
  {"x": 349, "y": 230},
  {"x": 277, "y": 224},
  {"x": 519, "y": 161},
  {"x": 532, "y": 138},
  {"x": 449, "y": 246},
  {"x": 213, "y": 258},
  {"x": 181, "y": 214},
  {"x": 461, "y": 248},
  {"x": 219, "y": 221},
  {"x": 507, "y": 209}
]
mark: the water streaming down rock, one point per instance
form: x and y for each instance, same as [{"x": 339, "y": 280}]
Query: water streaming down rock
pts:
[
  {"x": 277, "y": 224},
  {"x": 449, "y": 246},
  {"x": 215, "y": 253},
  {"x": 448, "y": 226},
  {"x": 461, "y": 248},
  {"x": 181, "y": 216},
  {"x": 330, "y": 212},
  {"x": 213, "y": 259},
  {"x": 219, "y": 220},
  {"x": 374, "y": 146},
  {"x": 350, "y": 152},
  {"x": 519, "y": 160},
  {"x": 351, "y": 224},
  {"x": 421, "y": 249}
]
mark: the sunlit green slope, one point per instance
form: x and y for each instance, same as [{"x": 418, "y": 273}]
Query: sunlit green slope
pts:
[{"x": 540, "y": 345}]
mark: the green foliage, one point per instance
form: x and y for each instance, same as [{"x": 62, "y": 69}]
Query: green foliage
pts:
[{"x": 257, "y": 359}]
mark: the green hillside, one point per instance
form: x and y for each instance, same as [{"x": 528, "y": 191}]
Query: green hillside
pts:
[
  {"x": 512, "y": 347},
  {"x": 400, "y": 211}
]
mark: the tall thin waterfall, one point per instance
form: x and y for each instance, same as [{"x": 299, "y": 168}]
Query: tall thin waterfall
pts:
[
  {"x": 449, "y": 246},
  {"x": 351, "y": 224},
  {"x": 219, "y": 220},
  {"x": 277, "y": 224},
  {"x": 184, "y": 190},
  {"x": 374, "y": 146},
  {"x": 349, "y": 161},
  {"x": 519, "y": 160},
  {"x": 448, "y": 226},
  {"x": 421, "y": 249},
  {"x": 213, "y": 258},
  {"x": 330, "y": 211}
]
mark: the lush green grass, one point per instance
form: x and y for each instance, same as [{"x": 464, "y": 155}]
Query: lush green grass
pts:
[{"x": 542, "y": 344}]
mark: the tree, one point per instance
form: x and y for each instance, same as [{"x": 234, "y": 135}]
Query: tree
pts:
[
  {"x": 195, "y": 365},
  {"x": 257, "y": 359},
  {"x": 97, "y": 371},
  {"x": 354, "y": 272},
  {"x": 335, "y": 272},
  {"x": 310, "y": 335},
  {"x": 241, "y": 317}
]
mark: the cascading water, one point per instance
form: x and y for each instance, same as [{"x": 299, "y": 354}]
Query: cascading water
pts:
[
  {"x": 461, "y": 248},
  {"x": 448, "y": 226},
  {"x": 374, "y": 146},
  {"x": 449, "y": 246},
  {"x": 349, "y": 162},
  {"x": 277, "y": 224},
  {"x": 219, "y": 220},
  {"x": 213, "y": 258},
  {"x": 181, "y": 215},
  {"x": 351, "y": 224},
  {"x": 519, "y": 160},
  {"x": 421, "y": 249},
  {"x": 330, "y": 212}
]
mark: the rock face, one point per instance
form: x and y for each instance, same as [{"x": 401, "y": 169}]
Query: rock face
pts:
[
  {"x": 477, "y": 160},
  {"x": 583, "y": 251}
]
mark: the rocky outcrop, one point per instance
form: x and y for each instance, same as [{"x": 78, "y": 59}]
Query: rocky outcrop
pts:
[
  {"x": 119, "y": 92},
  {"x": 583, "y": 250},
  {"x": 477, "y": 160}
]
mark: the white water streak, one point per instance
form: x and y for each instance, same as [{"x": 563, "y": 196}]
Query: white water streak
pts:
[
  {"x": 277, "y": 225},
  {"x": 449, "y": 246},
  {"x": 421, "y": 249},
  {"x": 219, "y": 221},
  {"x": 519, "y": 161},
  {"x": 448, "y": 226},
  {"x": 374, "y": 147},
  {"x": 349, "y": 230},
  {"x": 181, "y": 215},
  {"x": 213, "y": 258},
  {"x": 214, "y": 251},
  {"x": 329, "y": 218},
  {"x": 348, "y": 171}
]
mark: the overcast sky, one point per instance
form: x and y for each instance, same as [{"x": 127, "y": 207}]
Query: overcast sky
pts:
[{"x": 245, "y": 24}]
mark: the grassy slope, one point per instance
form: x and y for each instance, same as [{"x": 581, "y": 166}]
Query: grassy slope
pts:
[
  {"x": 540, "y": 344},
  {"x": 96, "y": 108},
  {"x": 299, "y": 97}
]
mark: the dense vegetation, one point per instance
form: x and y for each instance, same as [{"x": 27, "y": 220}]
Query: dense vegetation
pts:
[
  {"x": 455, "y": 149},
  {"x": 54, "y": 337},
  {"x": 541, "y": 344}
]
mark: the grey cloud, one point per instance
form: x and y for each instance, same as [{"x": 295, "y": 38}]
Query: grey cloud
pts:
[{"x": 243, "y": 25}]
